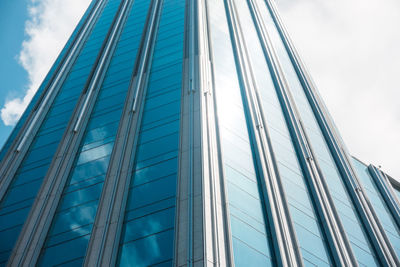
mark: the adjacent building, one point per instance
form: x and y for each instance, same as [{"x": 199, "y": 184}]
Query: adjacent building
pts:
[{"x": 187, "y": 133}]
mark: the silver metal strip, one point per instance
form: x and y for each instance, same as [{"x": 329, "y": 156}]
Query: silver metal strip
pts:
[
  {"x": 216, "y": 227},
  {"x": 191, "y": 91},
  {"x": 100, "y": 70},
  {"x": 218, "y": 234},
  {"x": 393, "y": 185},
  {"x": 51, "y": 90},
  {"x": 368, "y": 216},
  {"x": 11, "y": 161},
  {"x": 141, "y": 72},
  {"x": 284, "y": 240},
  {"x": 385, "y": 189},
  {"x": 325, "y": 209},
  {"x": 194, "y": 236},
  {"x": 104, "y": 241},
  {"x": 35, "y": 229}
]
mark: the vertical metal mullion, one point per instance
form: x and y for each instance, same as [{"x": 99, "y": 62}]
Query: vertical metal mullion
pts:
[
  {"x": 18, "y": 150},
  {"x": 184, "y": 222},
  {"x": 35, "y": 229},
  {"x": 104, "y": 241},
  {"x": 339, "y": 153},
  {"x": 284, "y": 239},
  {"x": 217, "y": 232},
  {"x": 200, "y": 230},
  {"x": 384, "y": 188},
  {"x": 328, "y": 217}
]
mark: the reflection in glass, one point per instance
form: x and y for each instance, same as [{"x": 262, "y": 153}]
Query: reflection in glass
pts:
[
  {"x": 72, "y": 225},
  {"x": 360, "y": 243},
  {"x": 380, "y": 207},
  {"x": 148, "y": 230},
  {"x": 251, "y": 239}
]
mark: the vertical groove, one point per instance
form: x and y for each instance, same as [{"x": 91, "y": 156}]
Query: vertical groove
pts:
[
  {"x": 387, "y": 193},
  {"x": 104, "y": 242},
  {"x": 374, "y": 229},
  {"x": 16, "y": 152},
  {"x": 217, "y": 242},
  {"x": 285, "y": 240},
  {"x": 42, "y": 213},
  {"x": 378, "y": 237},
  {"x": 338, "y": 243}
]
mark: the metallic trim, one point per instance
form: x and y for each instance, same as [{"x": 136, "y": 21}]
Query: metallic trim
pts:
[
  {"x": 328, "y": 217},
  {"x": 104, "y": 241},
  {"x": 14, "y": 156},
  {"x": 385, "y": 189},
  {"x": 221, "y": 245},
  {"x": 339, "y": 153},
  {"x": 338, "y": 243},
  {"x": 394, "y": 185},
  {"x": 36, "y": 227},
  {"x": 282, "y": 228},
  {"x": 216, "y": 234},
  {"x": 188, "y": 171}
]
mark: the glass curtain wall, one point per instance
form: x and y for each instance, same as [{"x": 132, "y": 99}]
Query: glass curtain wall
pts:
[
  {"x": 16, "y": 204},
  {"x": 251, "y": 240},
  {"x": 44, "y": 84},
  {"x": 73, "y": 221},
  {"x": 308, "y": 230},
  {"x": 380, "y": 207},
  {"x": 358, "y": 238},
  {"x": 148, "y": 229}
]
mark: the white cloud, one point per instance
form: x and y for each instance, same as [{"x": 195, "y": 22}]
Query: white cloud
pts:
[
  {"x": 50, "y": 24},
  {"x": 352, "y": 51}
]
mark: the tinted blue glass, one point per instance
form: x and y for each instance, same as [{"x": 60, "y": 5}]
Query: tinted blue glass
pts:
[
  {"x": 380, "y": 207},
  {"x": 148, "y": 229},
  {"x": 301, "y": 208},
  {"x": 352, "y": 224},
  {"x": 149, "y": 251},
  {"x": 251, "y": 239},
  {"x": 77, "y": 209},
  {"x": 41, "y": 152},
  {"x": 43, "y": 85}
]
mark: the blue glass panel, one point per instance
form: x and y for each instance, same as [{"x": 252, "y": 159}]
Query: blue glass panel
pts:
[
  {"x": 147, "y": 251},
  {"x": 249, "y": 227},
  {"x": 301, "y": 208},
  {"x": 41, "y": 152},
  {"x": 353, "y": 227},
  {"x": 249, "y": 256},
  {"x": 44, "y": 84},
  {"x": 77, "y": 209},
  {"x": 57, "y": 254},
  {"x": 149, "y": 224},
  {"x": 380, "y": 207},
  {"x": 148, "y": 230}
]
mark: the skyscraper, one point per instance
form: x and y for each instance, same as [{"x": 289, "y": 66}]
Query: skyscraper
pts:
[{"x": 187, "y": 133}]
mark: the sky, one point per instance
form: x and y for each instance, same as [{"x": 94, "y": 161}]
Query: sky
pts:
[
  {"x": 13, "y": 76},
  {"x": 351, "y": 49},
  {"x": 32, "y": 34}
]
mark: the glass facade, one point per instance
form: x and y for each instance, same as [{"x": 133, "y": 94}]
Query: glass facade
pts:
[
  {"x": 54, "y": 191},
  {"x": 17, "y": 202},
  {"x": 300, "y": 204},
  {"x": 352, "y": 225},
  {"x": 70, "y": 231},
  {"x": 380, "y": 207},
  {"x": 249, "y": 226},
  {"x": 148, "y": 228}
]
